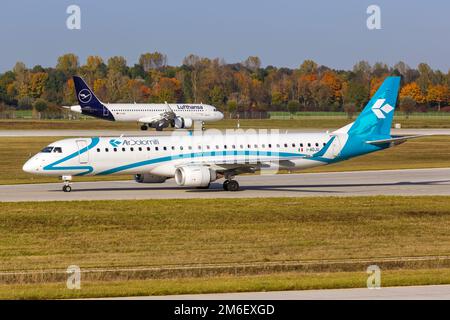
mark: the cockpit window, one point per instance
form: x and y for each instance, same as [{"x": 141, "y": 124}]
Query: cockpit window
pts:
[
  {"x": 57, "y": 150},
  {"x": 47, "y": 150}
]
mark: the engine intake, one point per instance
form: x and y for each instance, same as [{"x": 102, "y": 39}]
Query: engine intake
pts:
[
  {"x": 181, "y": 123},
  {"x": 194, "y": 176},
  {"x": 149, "y": 178}
]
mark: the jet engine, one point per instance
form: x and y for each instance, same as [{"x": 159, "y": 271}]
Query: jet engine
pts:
[
  {"x": 149, "y": 178},
  {"x": 194, "y": 176},
  {"x": 181, "y": 123}
]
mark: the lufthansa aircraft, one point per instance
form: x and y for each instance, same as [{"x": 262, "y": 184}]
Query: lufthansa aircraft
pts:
[
  {"x": 153, "y": 115},
  {"x": 197, "y": 160}
]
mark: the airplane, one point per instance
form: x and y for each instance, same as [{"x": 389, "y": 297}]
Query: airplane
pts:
[
  {"x": 197, "y": 160},
  {"x": 154, "y": 115}
]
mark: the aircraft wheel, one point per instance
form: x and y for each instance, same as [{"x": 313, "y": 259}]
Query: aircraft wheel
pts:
[
  {"x": 232, "y": 185},
  {"x": 67, "y": 188},
  {"x": 225, "y": 185},
  {"x": 144, "y": 127}
]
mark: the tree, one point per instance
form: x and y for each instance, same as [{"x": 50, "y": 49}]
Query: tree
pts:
[
  {"x": 438, "y": 94},
  {"x": 68, "y": 63},
  {"x": 413, "y": 91},
  {"x": 37, "y": 84},
  {"x": 293, "y": 106},
  {"x": 308, "y": 67},
  {"x": 40, "y": 106},
  {"x": 117, "y": 64},
  {"x": 407, "y": 105},
  {"x": 356, "y": 93},
  {"x": 253, "y": 63},
  {"x": 154, "y": 60},
  {"x": 167, "y": 89},
  {"x": 217, "y": 96}
]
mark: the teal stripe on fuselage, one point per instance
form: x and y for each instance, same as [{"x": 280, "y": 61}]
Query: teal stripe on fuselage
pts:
[{"x": 89, "y": 169}]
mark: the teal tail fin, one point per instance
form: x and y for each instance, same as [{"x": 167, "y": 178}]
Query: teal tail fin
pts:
[{"x": 376, "y": 118}]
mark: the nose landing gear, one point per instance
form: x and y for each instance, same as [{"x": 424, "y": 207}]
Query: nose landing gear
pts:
[{"x": 66, "y": 187}]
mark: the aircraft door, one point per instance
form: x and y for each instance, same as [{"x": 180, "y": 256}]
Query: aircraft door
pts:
[{"x": 83, "y": 153}]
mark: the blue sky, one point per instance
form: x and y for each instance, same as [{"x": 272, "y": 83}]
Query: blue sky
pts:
[{"x": 281, "y": 33}]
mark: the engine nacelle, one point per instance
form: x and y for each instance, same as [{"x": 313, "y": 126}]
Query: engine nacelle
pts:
[
  {"x": 194, "y": 176},
  {"x": 181, "y": 123},
  {"x": 149, "y": 178}
]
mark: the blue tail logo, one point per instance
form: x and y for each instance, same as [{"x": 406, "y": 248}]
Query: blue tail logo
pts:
[
  {"x": 380, "y": 109},
  {"x": 115, "y": 142}
]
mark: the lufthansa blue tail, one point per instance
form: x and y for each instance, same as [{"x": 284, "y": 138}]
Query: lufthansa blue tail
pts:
[{"x": 89, "y": 103}]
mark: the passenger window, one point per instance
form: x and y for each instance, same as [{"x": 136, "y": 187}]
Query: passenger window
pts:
[
  {"x": 173, "y": 147},
  {"x": 293, "y": 145},
  {"x": 324, "y": 144},
  {"x": 301, "y": 145},
  {"x": 115, "y": 149},
  {"x": 270, "y": 145},
  {"x": 217, "y": 147},
  {"x": 140, "y": 149},
  {"x": 249, "y": 146},
  {"x": 317, "y": 144},
  {"x": 123, "y": 149},
  {"x": 156, "y": 148},
  {"x": 285, "y": 145},
  {"x": 106, "y": 150},
  {"x": 225, "y": 146},
  {"x": 165, "y": 148},
  {"x": 309, "y": 144},
  {"x": 131, "y": 149},
  {"x": 190, "y": 147},
  {"x": 98, "y": 149},
  {"x": 181, "y": 147},
  {"x": 263, "y": 146},
  {"x": 256, "y": 146},
  {"x": 148, "y": 148}
]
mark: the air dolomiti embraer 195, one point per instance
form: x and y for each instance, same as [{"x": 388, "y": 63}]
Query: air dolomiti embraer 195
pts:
[
  {"x": 198, "y": 160},
  {"x": 154, "y": 115}
]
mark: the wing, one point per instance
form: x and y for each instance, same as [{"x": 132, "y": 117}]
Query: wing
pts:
[{"x": 165, "y": 116}]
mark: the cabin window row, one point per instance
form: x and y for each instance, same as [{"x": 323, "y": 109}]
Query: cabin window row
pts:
[{"x": 208, "y": 147}]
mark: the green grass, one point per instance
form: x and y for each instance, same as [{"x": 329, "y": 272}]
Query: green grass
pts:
[
  {"x": 113, "y": 234},
  {"x": 177, "y": 232},
  {"x": 275, "y": 282},
  {"x": 322, "y": 122},
  {"x": 429, "y": 152}
]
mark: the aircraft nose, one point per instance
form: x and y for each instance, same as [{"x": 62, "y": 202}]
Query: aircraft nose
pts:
[{"x": 29, "y": 166}]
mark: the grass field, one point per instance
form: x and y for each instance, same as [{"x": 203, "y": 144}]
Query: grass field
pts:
[
  {"x": 324, "y": 122},
  {"x": 275, "y": 282},
  {"x": 113, "y": 234},
  {"x": 429, "y": 152}
]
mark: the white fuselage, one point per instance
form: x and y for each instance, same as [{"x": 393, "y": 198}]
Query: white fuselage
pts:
[
  {"x": 162, "y": 155},
  {"x": 145, "y": 113}
]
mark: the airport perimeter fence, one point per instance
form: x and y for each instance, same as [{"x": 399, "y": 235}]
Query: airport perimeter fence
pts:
[{"x": 274, "y": 115}]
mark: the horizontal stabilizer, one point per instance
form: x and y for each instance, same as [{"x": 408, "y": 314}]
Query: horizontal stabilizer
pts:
[{"x": 395, "y": 140}]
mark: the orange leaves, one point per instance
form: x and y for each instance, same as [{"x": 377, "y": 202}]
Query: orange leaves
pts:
[{"x": 413, "y": 90}]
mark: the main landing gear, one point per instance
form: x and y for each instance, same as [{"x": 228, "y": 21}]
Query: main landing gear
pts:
[
  {"x": 231, "y": 185},
  {"x": 66, "y": 187},
  {"x": 144, "y": 127}
]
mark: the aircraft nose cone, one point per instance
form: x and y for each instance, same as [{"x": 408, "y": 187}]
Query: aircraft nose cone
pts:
[{"x": 28, "y": 167}]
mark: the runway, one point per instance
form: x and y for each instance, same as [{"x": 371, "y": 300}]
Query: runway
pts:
[
  {"x": 116, "y": 133},
  {"x": 358, "y": 183},
  {"x": 439, "y": 292}
]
